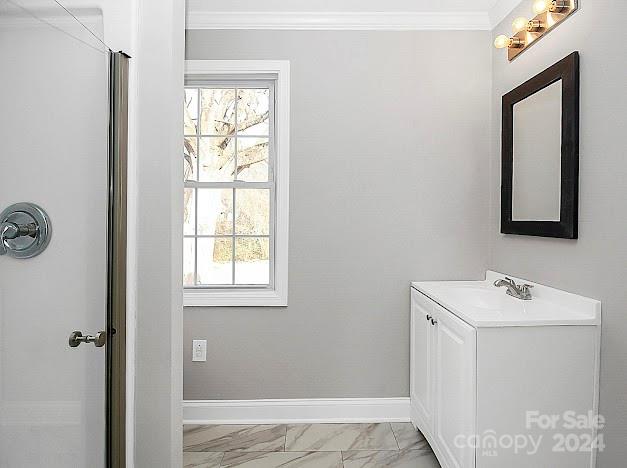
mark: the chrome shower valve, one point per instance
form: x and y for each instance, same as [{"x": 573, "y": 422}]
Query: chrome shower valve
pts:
[{"x": 24, "y": 230}]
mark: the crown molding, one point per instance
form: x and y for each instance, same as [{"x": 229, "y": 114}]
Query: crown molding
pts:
[
  {"x": 501, "y": 10},
  {"x": 352, "y": 21}
]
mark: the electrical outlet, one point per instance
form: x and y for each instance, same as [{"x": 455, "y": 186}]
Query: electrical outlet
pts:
[{"x": 199, "y": 350}]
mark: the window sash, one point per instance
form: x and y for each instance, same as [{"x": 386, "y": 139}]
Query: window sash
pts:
[{"x": 270, "y": 184}]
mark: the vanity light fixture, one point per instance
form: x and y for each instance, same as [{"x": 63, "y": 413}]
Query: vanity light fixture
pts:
[
  {"x": 540, "y": 6},
  {"x": 520, "y": 24},
  {"x": 554, "y": 6},
  {"x": 534, "y": 25},
  {"x": 503, "y": 41},
  {"x": 549, "y": 13}
]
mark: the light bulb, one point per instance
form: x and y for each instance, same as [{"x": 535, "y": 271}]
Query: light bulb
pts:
[
  {"x": 540, "y": 6},
  {"x": 520, "y": 24},
  {"x": 502, "y": 41}
]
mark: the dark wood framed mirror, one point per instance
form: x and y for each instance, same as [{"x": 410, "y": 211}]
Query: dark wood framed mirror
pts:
[{"x": 540, "y": 154}]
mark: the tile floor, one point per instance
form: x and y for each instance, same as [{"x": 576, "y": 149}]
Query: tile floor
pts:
[{"x": 390, "y": 445}]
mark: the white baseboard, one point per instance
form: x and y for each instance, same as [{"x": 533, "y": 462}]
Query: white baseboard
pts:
[{"x": 323, "y": 410}]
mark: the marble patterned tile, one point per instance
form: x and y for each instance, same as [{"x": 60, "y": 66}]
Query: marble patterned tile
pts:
[
  {"x": 202, "y": 459},
  {"x": 408, "y": 437},
  {"x": 224, "y": 438},
  {"x": 282, "y": 459},
  {"x": 390, "y": 459},
  {"x": 336, "y": 437}
]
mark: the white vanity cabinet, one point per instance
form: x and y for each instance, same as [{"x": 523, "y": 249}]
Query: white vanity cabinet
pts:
[
  {"x": 486, "y": 368},
  {"x": 443, "y": 374}
]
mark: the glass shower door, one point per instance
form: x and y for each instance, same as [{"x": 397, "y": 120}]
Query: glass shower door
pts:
[{"x": 54, "y": 116}]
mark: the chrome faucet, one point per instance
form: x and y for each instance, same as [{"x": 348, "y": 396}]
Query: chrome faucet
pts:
[{"x": 521, "y": 292}]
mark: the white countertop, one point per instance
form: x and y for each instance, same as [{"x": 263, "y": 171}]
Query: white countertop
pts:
[{"x": 481, "y": 304}]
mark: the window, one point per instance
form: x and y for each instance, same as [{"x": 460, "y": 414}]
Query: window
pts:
[{"x": 236, "y": 193}]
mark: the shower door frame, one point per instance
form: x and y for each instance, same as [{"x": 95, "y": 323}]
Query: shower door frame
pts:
[{"x": 116, "y": 262}]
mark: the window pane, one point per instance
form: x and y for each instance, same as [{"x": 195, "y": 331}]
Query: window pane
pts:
[
  {"x": 191, "y": 111},
  {"x": 227, "y": 139},
  {"x": 215, "y": 264},
  {"x": 253, "y": 106},
  {"x": 215, "y": 212},
  {"x": 189, "y": 212},
  {"x": 190, "y": 157},
  {"x": 252, "y": 159},
  {"x": 217, "y": 111},
  {"x": 252, "y": 211},
  {"x": 252, "y": 264},
  {"x": 188, "y": 261},
  {"x": 217, "y": 159}
]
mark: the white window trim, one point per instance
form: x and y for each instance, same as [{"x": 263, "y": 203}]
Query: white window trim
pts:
[{"x": 276, "y": 297}]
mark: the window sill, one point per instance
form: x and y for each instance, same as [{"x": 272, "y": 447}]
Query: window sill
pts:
[{"x": 234, "y": 298}]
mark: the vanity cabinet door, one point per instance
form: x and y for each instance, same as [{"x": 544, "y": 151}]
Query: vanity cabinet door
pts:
[
  {"x": 455, "y": 392},
  {"x": 422, "y": 361}
]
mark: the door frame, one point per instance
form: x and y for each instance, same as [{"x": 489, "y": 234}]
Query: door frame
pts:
[{"x": 115, "y": 454}]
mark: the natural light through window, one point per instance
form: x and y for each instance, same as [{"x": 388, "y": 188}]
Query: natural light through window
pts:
[
  {"x": 236, "y": 171},
  {"x": 229, "y": 190}
]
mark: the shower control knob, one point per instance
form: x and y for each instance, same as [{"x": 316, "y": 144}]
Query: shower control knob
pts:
[{"x": 24, "y": 230}]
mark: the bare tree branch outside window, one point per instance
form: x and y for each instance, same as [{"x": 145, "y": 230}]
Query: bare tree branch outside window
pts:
[{"x": 227, "y": 139}]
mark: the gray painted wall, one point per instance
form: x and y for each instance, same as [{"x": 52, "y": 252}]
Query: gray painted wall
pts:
[
  {"x": 596, "y": 264},
  {"x": 388, "y": 183}
]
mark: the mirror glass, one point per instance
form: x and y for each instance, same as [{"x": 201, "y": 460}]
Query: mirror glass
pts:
[{"x": 537, "y": 155}]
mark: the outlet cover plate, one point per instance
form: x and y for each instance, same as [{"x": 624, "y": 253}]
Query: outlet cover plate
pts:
[{"x": 199, "y": 350}]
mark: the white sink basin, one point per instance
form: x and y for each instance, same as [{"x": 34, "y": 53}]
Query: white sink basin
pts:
[
  {"x": 481, "y": 298},
  {"x": 481, "y": 304}
]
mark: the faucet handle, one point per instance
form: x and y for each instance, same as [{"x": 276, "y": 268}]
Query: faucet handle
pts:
[
  {"x": 511, "y": 281},
  {"x": 525, "y": 291}
]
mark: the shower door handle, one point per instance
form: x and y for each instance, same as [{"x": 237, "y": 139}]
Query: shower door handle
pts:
[{"x": 77, "y": 337}]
